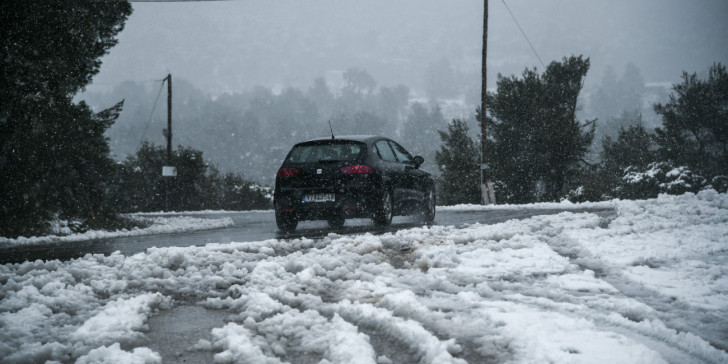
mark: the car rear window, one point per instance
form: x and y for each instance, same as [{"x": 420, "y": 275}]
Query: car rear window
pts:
[{"x": 313, "y": 153}]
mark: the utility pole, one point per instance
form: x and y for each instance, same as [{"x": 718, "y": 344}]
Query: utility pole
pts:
[
  {"x": 168, "y": 170},
  {"x": 169, "y": 119},
  {"x": 486, "y": 188}
]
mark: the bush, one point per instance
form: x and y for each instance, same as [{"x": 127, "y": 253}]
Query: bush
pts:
[
  {"x": 695, "y": 123},
  {"x": 656, "y": 178},
  {"x": 720, "y": 183},
  {"x": 139, "y": 185}
]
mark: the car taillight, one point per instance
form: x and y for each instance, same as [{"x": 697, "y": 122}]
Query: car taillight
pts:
[
  {"x": 288, "y": 172},
  {"x": 357, "y": 169}
]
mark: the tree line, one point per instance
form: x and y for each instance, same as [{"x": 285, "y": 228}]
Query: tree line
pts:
[
  {"x": 537, "y": 147},
  {"x": 249, "y": 131},
  {"x": 140, "y": 187}
]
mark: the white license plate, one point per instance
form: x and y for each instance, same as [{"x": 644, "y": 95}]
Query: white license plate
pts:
[{"x": 319, "y": 197}]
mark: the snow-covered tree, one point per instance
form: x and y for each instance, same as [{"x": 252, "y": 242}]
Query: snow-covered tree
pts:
[
  {"x": 655, "y": 178},
  {"x": 695, "y": 123}
]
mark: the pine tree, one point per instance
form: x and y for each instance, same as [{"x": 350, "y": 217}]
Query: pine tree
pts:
[
  {"x": 695, "y": 123},
  {"x": 537, "y": 142},
  {"x": 421, "y": 130},
  {"x": 633, "y": 147},
  {"x": 458, "y": 160},
  {"x": 53, "y": 152}
]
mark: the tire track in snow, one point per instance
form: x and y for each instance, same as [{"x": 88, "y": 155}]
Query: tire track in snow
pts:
[{"x": 661, "y": 322}]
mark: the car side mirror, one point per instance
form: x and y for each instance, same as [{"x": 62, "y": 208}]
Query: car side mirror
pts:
[{"x": 418, "y": 161}]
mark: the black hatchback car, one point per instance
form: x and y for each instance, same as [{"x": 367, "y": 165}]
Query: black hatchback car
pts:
[{"x": 351, "y": 177}]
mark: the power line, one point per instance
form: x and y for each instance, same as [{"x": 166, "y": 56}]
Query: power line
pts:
[
  {"x": 154, "y": 107},
  {"x": 524, "y": 33},
  {"x": 121, "y": 82}
]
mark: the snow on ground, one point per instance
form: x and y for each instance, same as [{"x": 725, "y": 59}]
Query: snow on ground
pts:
[
  {"x": 568, "y": 288},
  {"x": 200, "y": 212},
  {"x": 159, "y": 225},
  {"x": 564, "y": 205}
]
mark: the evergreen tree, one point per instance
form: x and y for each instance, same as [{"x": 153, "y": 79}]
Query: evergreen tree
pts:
[
  {"x": 359, "y": 123},
  {"x": 615, "y": 99},
  {"x": 631, "y": 89},
  {"x": 53, "y": 153},
  {"x": 695, "y": 123},
  {"x": 537, "y": 142},
  {"x": 391, "y": 103},
  {"x": 421, "y": 129},
  {"x": 359, "y": 81},
  {"x": 458, "y": 160},
  {"x": 234, "y": 193},
  {"x": 657, "y": 178},
  {"x": 604, "y": 102},
  {"x": 633, "y": 147},
  {"x": 321, "y": 95}
]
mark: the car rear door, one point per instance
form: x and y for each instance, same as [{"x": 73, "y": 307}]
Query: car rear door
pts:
[{"x": 393, "y": 172}]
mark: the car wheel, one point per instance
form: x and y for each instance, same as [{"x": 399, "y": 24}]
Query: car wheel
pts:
[
  {"x": 286, "y": 221},
  {"x": 385, "y": 209},
  {"x": 336, "y": 221},
  {"x": 429, "y": 205}
]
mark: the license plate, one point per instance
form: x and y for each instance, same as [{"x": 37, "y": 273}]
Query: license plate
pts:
[{"x": 319, "y": 197}]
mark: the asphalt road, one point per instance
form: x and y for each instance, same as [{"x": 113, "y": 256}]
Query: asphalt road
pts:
[{"x": 256, "y": 226}]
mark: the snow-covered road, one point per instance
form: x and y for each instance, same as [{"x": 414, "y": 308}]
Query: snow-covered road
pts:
[{"x": 648, "y": 285}]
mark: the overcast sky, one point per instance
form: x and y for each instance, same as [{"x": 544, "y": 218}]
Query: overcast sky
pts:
[{"x": 228, "y": 46}]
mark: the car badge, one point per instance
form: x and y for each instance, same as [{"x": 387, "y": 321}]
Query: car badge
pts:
[{"x": 319, "y": 171}]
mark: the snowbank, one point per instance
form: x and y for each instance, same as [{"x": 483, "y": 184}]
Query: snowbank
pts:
[
  {"x": 563, "y": 205},
  {"x": 201, "y": 212},
  {"x": 160, "y": 225},
  {"x": 572, "y": 287}
]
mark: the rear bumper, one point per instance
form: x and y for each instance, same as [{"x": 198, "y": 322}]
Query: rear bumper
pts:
[{"x": 350, "y": 203}]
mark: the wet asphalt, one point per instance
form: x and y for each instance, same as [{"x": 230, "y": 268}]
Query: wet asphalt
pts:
[{"x": 257, "y": 226}]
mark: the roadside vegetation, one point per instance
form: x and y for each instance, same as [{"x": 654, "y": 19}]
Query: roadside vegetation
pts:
[
  {"x": 538, "y": 149},
  {"x": 140, "y": 187}
]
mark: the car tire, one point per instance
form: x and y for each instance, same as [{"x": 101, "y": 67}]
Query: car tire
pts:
[
  {"x": 286, "y": 221},
  {"x": 428, "y": 212},
  {"x": 385, "y": 210},
  {"x": 337, "y": 221}
]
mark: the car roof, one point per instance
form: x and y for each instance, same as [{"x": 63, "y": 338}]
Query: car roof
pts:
[{"x": 356, "y": 138}]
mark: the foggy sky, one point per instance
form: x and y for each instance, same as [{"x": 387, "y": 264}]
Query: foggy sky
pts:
[{"x": 229, "y": 46}]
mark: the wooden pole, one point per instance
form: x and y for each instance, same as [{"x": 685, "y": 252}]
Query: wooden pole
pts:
[
  {"x": 487, "y": 196},
  {"x": 169, "y": 119},
  {"x": 169, "y": 137}
]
